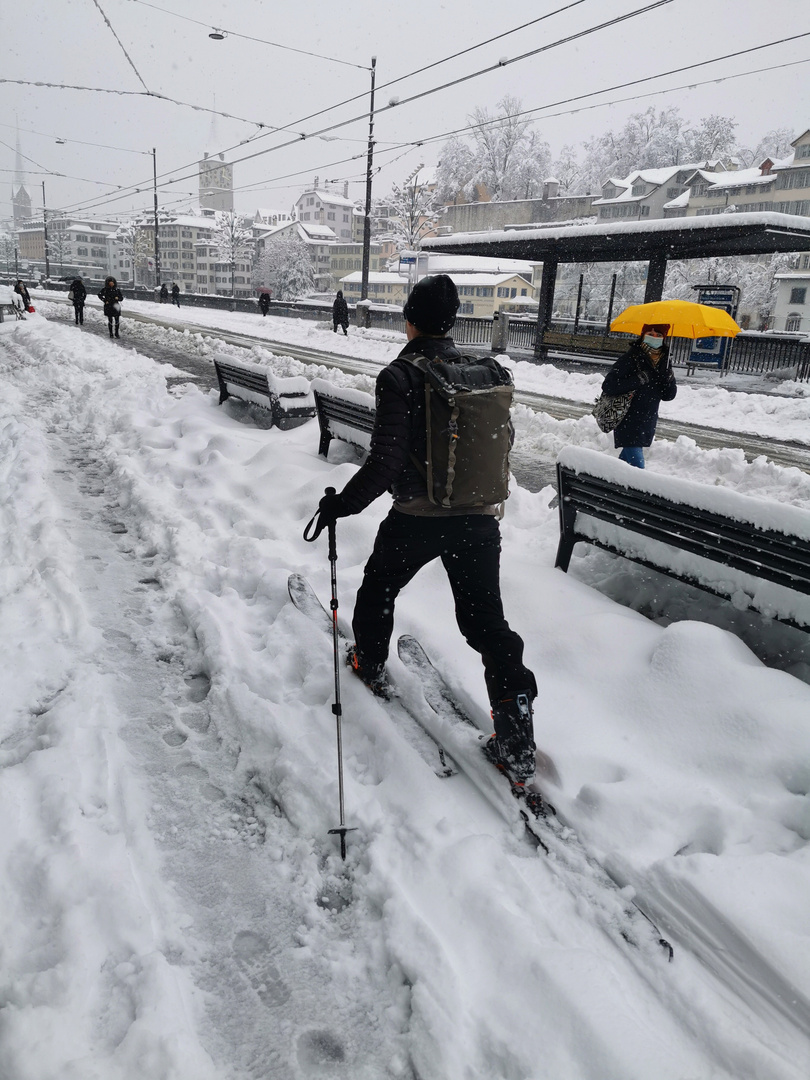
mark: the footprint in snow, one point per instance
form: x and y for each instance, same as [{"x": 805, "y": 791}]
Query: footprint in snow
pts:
[
  {"x": 319, "y": 1048},
  {"x": 252, "y": 954}
]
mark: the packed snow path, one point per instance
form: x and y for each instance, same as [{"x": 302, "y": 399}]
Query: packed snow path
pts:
[{"x": 170, "y": 903}]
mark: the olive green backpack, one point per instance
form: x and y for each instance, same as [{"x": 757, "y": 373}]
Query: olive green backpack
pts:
[{"x": 469, "y": 433}]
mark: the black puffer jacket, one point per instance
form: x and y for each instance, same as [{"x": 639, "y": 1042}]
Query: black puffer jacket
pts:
[
  {"x": 111, "y": 295},
  {"x": 79, "y": 292},
  {"x": 340, "y": 310},
  {"x": 399, "y": 430},
  {"x": 651, "y": 383}
]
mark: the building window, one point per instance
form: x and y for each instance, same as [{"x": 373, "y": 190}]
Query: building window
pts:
[
  {"x": 803, "y": 151},
  {"x": 797, "y": 296},
  {"x": 467, "y": 309},
  {"x": 645, "y": 211},
  {"x": 793, "y": 321},
  {"x": 81, "y": 251},
  {"x": 639, "y": 189},
  {"x": 673, "y": 192}
]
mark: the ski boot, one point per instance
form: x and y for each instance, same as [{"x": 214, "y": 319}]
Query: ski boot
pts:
[
  {"x": 374, "y": 676},
  {"x": 511, "y": 749}
]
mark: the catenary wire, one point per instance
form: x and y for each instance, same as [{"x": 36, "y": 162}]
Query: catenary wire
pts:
[
  {"x": 250, "y": 37},
  {"x": 595, "y": 93},
  {"x": 586, "y": 31},
  {"x": 121, "y": 44}
]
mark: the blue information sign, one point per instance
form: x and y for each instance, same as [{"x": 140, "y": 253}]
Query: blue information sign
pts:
[{"x": 713, "y": 350}]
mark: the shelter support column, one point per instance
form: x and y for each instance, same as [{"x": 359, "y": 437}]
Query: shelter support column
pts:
[
  {"x": 545, "y": 306},
  {"x": 656, "y": 271}
]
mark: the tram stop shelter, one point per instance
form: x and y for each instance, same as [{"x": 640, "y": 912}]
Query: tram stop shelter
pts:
[{"x": 654, "y": 242}]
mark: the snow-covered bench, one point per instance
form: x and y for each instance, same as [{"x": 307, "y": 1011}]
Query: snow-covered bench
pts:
[
  {"x": 753, "y": 551},
  {"x": 11, "y": 304},
  {"x": 343, "y": 413},
  {"x": 289, "y": 400}
]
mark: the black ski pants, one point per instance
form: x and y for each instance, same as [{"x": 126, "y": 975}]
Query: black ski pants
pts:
[{"x": 469, "y": 547}]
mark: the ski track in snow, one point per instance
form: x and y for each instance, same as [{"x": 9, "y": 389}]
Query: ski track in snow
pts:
[{"x": 166, "y": 773}]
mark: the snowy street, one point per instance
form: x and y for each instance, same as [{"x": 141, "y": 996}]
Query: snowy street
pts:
[{"x": 171, "y": 904}]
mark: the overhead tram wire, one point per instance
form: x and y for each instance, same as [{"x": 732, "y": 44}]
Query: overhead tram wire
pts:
[
  {"x": 430, "y": 66},
  {"x": 121, "y": 44},
  {"x": 595, "y": 93},
  {"x": 426, "y": 93},
  {"x": 582, "y": 108},
  {"x": 251, "y": 37}
]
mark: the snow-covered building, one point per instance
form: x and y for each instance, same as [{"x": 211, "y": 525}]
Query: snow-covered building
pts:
[
  {"x": 76, "y": 246},
  {"x": 481, "y": 294},
  {"x": 738, "y": 189},
  {"x": 644, "y": 193},
  {"x": 265, "y": 219},
  {"x": 477, "y": 216},
  {"x": 321, "y": 207},
  {"x": 216, "y": 183},
  {"x": 792, "y": 307},
  {"x": 384, "y": 287}
]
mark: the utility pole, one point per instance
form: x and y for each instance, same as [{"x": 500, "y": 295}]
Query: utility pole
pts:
[
  {"x": 369, "y": 166},
  {"x": 157, "y": 247},
  {"x": 45, "y": 230}
]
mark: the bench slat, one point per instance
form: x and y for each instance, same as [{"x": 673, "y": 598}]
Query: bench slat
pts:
[{"x": 762, "y": 553}]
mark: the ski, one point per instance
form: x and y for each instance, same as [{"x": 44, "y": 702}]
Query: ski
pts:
[
  {"x": 449, "y": 722},
  {"x": 306, "y": 600}
]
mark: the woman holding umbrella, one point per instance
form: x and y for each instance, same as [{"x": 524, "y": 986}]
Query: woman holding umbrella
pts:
[{"x": 646, "y": 371}]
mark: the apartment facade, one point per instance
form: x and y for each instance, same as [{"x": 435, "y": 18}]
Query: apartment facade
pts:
[
  {"x": 336, "y": 212},
  {"x": 792, "y": 308}
]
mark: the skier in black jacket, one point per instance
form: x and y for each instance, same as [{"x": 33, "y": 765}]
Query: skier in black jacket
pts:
[
  {"x": 78, "y": 298},
  {"x": 340, "y": 313},
  {"x": 111, "y": 296},
  {"x": 646, "y": 369},
  {"x": 417, "y": 531}
]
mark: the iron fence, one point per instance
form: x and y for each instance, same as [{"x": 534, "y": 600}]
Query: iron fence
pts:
[{"x": 469, "y": 330}]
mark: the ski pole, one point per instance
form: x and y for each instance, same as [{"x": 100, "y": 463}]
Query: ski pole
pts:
[{"x": 337, "y": 708}]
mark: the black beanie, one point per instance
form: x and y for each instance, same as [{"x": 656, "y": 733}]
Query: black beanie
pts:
[{"x": 432, "y": 305}]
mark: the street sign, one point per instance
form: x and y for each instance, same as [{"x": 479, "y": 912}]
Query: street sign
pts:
[{"x": 407, "y": 258}]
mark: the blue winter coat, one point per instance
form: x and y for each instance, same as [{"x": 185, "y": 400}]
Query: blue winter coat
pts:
[{"x": 651, "y": 383}]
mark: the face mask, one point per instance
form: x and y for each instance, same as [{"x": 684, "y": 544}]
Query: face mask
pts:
[{"x": 655, "y": 341}]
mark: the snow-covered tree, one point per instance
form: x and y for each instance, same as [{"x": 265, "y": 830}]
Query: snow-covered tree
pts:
[
  {"x": 232, "y": 239},
  {"x": 414, "y": 210},
  {"x": 455, "y": 173},
  {"x": 286, "y": 268},
  {"x": 752, "y": 274},
  {"x": 566, "y": 169},
  {"x": 507, "y": 160},
  {"x": 774, "y": 144},
  {"x": 7, "y": 248},
  {"x": 649, "y": 140},
  {"x": 712, "y": 137}
]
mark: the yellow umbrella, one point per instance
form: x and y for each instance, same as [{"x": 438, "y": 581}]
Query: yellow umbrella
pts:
[{"x": 683, "y": 317}]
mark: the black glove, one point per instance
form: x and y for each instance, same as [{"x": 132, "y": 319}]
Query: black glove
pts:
[{"x": 330, "y": 508}]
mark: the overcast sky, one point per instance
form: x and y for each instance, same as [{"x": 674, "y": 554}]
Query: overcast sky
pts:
[{"x": 68, "y": 41}]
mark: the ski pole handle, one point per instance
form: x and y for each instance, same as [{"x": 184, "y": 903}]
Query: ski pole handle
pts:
[{"x": 316, "y": 524}]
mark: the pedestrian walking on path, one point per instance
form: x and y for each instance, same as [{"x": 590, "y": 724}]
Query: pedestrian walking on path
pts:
[
  {"x": 646, "y": 371},
  {"x": 340, "y": 314},
  {"x": 111, "y": 296},
  {"x": 78, "y": 295}
]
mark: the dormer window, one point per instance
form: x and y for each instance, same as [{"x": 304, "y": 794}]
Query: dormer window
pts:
[
  {"x": 803, "y": 151},
  {"x": 609, "y": 192},
  {"x": 639, "y": 189}
]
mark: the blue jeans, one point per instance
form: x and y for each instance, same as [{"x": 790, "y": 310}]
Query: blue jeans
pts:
[{"x": 633, "y": 455}]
